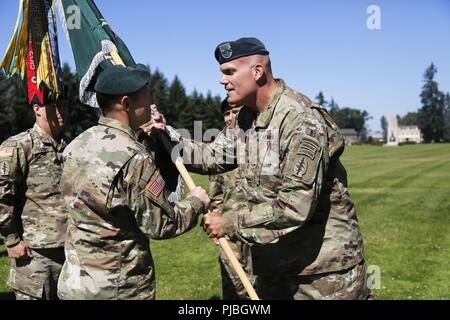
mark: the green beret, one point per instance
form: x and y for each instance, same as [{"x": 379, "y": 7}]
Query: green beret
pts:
[
  {"x": 230, "y": 50},
  {"x": 225, "y": 106},
  {"x": 119, "y": 80}
]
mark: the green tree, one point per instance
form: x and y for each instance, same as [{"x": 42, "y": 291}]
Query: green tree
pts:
[
  {"x": 410, "y": 119},
  {"x": 80, "y": 116},
  {"x": 431, "y": 114},
  {"x": 214, "y": 114},
  {"x": 333, "y": 105},
  {"x": 447, "y": 118},
  {"x": 200, "y": 108},
  {"x": 178, "y": 101},
  {"x": 384, "y": 127},
  {"x": 351, "y": 118},
  {"x": 16, "y": 115},
  {"x": 159, "y": 93},
  {"x": 189, "y": 113},
  {"x": 320, "y": 100},
  {"x": 363, "y": 134}
]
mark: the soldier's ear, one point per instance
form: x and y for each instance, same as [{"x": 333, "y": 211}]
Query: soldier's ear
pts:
[
  {"x": 258, "y": 71},
  {"x": 38, "y": 110},
  {"x": 125, "y": 102}
]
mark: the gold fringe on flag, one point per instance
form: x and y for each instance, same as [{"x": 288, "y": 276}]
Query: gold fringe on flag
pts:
[{"x": 35, "y": 25}]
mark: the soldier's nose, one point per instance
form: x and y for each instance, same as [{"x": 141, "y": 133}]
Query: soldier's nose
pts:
[{"x": 223, "y": 80}]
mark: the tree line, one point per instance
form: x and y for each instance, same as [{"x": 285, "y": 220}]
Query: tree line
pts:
[
  {"x": 179, "y": 108},
  {"x": 433, "y": 117},
  {"x": 182, "y": 109},
  {"x": 346, "y": 117}
]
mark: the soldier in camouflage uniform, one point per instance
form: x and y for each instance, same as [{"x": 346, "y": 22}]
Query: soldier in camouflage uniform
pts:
[
  {"x": 220, "y": 185},
  {"x": 33, "y": 216},
  {"x": 291, "y": 201},
  {"x": 117, "y": 198}
]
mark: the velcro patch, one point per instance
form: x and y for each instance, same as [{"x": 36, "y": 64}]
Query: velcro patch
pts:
[
  {"x": 156, "y": 185},
  {"x": 309, "y": 148},
  {"x": 6, "y": 152},
  {"x": 267, "y": 136}
]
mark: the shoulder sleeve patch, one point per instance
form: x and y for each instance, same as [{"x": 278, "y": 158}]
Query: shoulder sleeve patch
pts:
[
  {"x": 156, "y": 184},
  {"x": 304, "y": 159}
]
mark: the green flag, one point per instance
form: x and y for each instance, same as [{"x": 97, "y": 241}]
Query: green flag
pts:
[{"x": 92, "y": 41}]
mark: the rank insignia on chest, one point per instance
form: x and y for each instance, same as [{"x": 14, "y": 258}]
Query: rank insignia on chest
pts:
[{"x": 156, "y": 185}]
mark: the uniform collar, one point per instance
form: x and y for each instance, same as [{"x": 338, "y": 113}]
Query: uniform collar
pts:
[
  {"x": 115, "y": 124},
  {"x": 264, "y": 118},
  {"x": 48, "y": 139}
]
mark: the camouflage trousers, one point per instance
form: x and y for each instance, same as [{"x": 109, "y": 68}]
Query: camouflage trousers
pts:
[
  {"x": 232, "y": 287},
  {"x": 37, "y": 278},
  {"x": 350, "y": 284}
]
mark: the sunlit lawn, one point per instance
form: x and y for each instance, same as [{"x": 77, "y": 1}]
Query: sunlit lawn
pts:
[{"x": 402, "y": 196}]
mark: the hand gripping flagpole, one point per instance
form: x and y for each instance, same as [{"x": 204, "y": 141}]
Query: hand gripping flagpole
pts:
[
  {"x": 222, "y": 241},
  {"x": 191, "y": 185}
]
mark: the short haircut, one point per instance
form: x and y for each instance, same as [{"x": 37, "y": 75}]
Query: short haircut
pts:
[{"x": 106, "y": 101}]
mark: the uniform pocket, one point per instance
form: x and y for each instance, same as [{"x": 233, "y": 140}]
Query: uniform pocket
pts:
[
  {"x": 29, "y": 285},
  {"x": 259, "y": 216}
]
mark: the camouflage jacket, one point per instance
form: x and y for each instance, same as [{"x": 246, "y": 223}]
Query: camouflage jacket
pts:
[
  {"x": 291, "y": 200},
  {"x": 219, "y": 186},
  {"x": 31, "y": 204},
  {"x": 117, "y": 201}
]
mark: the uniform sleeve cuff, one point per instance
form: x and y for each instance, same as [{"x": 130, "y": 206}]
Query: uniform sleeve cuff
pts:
[
  {"x": 230, "y": 223},
  {"x": 197, "y": 204},
  {"x": 12, "y": 240}
]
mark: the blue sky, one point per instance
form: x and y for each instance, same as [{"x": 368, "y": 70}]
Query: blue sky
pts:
[{"x": 314, "y": 45}]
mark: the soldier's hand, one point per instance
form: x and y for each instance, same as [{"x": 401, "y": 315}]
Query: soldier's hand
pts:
[
  {"x": 20, "y": 251},
  {"x": 157, "y": 117},
  {"x": 151, "y": 127},
  {"x": 156, "y": 123},
  {"x": 200, "y": 193},
  {"x": 213, "y": 225}
]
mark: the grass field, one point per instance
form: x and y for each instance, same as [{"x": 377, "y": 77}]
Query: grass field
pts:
[{"x": 403, "y": 201}]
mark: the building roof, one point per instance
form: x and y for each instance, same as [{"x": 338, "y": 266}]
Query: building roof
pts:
[
  {"x": 377, "y": 135},
  {"x": 349, "y": 132},
  {"x": 408, "y": 127}
]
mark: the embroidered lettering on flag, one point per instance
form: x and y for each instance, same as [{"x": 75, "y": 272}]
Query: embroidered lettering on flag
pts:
[
  {"x": 33, "y": 88},
  {"x": 156, "y": 185}
]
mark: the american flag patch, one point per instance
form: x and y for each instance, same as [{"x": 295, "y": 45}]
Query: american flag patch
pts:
[
  {"x": 156, "y": 184},
  {"x": 6, "y": 152}
]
